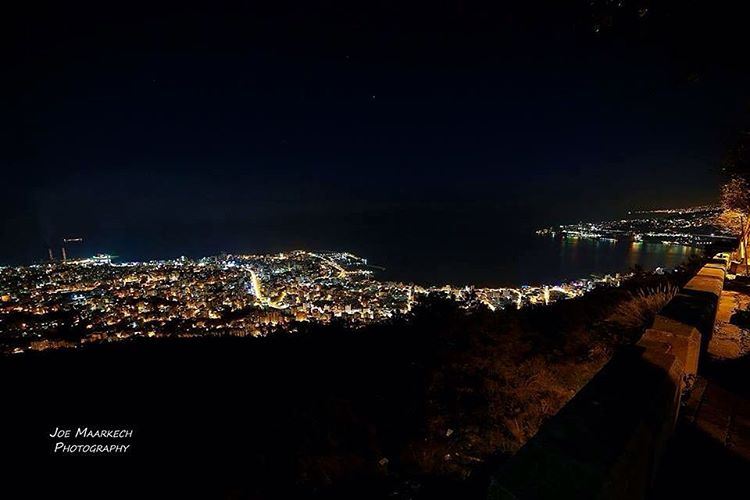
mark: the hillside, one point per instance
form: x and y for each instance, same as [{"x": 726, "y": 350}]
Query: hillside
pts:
[{"x": 415, "y": 408}]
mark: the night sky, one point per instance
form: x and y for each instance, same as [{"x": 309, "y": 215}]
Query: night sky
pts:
[{"x": 385, "y": 129}]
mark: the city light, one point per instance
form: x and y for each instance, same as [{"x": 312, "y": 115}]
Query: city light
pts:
[{"x": 77, "y": 302}]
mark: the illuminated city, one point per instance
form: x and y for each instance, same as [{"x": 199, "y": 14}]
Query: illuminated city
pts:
[
  {"x": 378, "y": 250},
  {"x": 76, "y": 302},
  {"x": 692, "y": 226},
  {"x": 67, "y": 303}
]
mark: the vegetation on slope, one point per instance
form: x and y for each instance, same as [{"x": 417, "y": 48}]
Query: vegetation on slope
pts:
[{"x": 417, "y": 408}]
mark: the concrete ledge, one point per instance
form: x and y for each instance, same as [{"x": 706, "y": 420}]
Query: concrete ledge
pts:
[
  {"x": 691, "y": 309},
  {"x": 712, "y": 270},
  {"x": 706, "y": 284},
  {"x": 723, "y": 258},
  {"x": 720, "y": 264},
  {"x": 606, "y": 442},
  {"x": 709, "y": 279},
  {"x": 684, "y": 346},
  {"x": 666, "y": 324}
]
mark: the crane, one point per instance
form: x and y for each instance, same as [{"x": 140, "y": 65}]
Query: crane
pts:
[{"x": 65, "y": 242}]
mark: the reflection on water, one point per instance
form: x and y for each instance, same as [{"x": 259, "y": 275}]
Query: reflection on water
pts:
[
  {"x": 526, "y": 259},
  {"x": 585, "y": 256}
]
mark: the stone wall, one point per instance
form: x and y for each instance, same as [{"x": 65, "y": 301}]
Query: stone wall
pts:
[{"x": 607, "y": 441}]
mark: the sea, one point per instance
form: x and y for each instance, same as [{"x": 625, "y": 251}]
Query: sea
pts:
[
  {"x": 536, "y": 260},
  {"x": 467, "y": 248}
]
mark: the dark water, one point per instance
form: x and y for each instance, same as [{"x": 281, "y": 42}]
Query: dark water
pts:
[
  {"x": 462, "y": 244},
  {"x": 435, "y": 257},
  {"x": 540, "y": 259}
]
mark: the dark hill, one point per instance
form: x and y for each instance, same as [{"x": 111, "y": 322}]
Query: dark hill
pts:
[{"x": 416, "y": 408}]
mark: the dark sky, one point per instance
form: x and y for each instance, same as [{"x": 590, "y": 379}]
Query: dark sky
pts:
[{"x": 161, "y": 129}]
